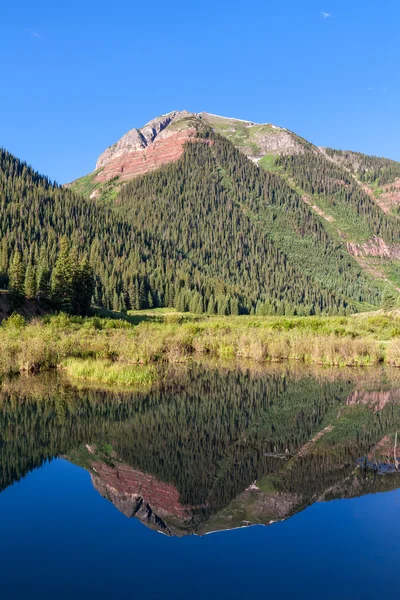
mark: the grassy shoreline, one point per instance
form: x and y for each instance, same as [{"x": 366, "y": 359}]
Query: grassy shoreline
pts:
[{"x": 118, "y": 351}]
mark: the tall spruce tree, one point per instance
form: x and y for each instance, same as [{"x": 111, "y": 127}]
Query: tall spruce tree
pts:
[
  {"x": 30, "y": 286},
  {"x": 83, "y": 287},
  {"x": 4, "y": 263},
  {"x": 62, "y": 279},
  {"x": 17, "y": 278},
  {"x": 43, "y": 279}
]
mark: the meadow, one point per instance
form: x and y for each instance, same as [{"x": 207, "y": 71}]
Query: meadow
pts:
[{"x": 126, "y": 350}]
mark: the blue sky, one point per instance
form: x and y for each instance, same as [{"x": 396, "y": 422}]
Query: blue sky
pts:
[{"x": 76, "y": 75}]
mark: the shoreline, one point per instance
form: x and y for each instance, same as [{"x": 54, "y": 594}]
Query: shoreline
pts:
[{"x": 113, "y": 351}]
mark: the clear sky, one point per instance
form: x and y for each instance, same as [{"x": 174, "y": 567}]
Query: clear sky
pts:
[{"x": 76, "y": 75}]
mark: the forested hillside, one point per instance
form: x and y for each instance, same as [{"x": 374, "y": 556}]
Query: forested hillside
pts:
[
  {"x": 211, "y": 231},
  {"x": 249, "y": 227},
  {"x": 337, "y": 191},
  {"x": 370, "y": 169},
  {"x": 36, "y": 215}
]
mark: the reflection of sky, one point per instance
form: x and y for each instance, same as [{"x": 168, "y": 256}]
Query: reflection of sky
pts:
[{"x": 61, "y": 540}]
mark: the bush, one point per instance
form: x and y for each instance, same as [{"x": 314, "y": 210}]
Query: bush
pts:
[{"x": 15, "y": 321}]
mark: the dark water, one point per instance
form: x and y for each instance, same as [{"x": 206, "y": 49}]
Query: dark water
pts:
[{"x": 270, "y": 482}]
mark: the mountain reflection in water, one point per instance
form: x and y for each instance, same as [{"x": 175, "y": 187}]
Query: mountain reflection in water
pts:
[{"x": 212, "y": 448}]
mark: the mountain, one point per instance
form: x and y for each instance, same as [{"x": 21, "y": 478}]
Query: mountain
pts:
[
  {"x": 208, "y": 213},
  {"x": 332, "y": 216},
  {"x": 162, "y": 140},
  {"x": 211, "y": 447}
]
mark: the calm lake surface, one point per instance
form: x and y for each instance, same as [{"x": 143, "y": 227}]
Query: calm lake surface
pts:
[{"x": 267, "y": 482}]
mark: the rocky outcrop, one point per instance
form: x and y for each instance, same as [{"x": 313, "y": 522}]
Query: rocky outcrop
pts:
[
  {"x": 255, "y": 140},
  {"x": 131, "y": 505},
  {"x": 389, "y": 197},
  {"x": 387, "y": 450},
  {"x": 126, "y": 166},
  {"x": 140, "y": 139},
  {"x": 374, "y": 247},
  {"x": 162, "y": 141},
  {"x": 129, "y": 482},
  {"x": 159, "y": 142}
]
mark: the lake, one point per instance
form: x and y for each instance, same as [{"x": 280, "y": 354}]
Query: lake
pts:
[{"x": 220, "y": 482}]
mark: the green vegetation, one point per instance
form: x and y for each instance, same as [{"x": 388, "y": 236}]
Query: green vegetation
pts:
[
  {"x": 261, "y": 233},
  {"x": 374, "y": 170},
  {"x": 109, "y": 350},
  {"x": 109, "y": 372},
  {"x": 211, "y": 233},
  {"x": 269, "y": 163},
  {"x": 341, "y": 196},
  {"x": 89, "y": 188}
]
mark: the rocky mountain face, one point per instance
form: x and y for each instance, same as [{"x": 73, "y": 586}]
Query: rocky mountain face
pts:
[
  {"x": 159, "y": 142},
  {"x": 162, "y": 141}
]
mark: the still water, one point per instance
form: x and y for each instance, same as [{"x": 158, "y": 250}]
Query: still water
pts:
[{"x": 267, "y": 482}]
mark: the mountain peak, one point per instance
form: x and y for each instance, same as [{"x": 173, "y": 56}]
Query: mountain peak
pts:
[{"x": 162, "y": 139}]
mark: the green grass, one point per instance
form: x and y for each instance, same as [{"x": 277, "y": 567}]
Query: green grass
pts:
[
  {"x": 113, "y": 351},
  {"x": 85, "y": 185},
  {"x": 107, "y": 190},
  {"x": 268, "y": 163},
  {"x": 108, "y": 372},
  {"x": 240, "y": 135}
]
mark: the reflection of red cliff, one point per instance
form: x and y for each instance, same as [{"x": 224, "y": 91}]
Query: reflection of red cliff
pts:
[
  {"x": 386, "y": 450},
  {"x": 160, "y": 152},
  {"x": 376, "y": 400},
  {"x": 124, "y": 486}
]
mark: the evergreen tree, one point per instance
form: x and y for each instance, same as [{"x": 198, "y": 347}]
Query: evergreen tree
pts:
[
  {"x": 17, "y": 278},
  {"x": 62, "y": 279},
  {"x": 30, "y": 286},
  {"x": 219, "y": 227},
  {"x": 83, "y": 287},
  {"x": 3, "y": 263},
  {"x": 142, "y": 296},
  {"x": 43, "y": 280},
  {"x": 388, "y": 300},
  {"x": 150, "y": 302}
]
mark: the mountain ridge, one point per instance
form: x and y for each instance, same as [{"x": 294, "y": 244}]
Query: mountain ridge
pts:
[
  {"x": 161, "y": 141},
  {"x": 213, "y": 214}
]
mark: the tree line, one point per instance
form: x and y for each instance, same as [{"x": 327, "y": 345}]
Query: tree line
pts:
[
  {"x": 210, "y": 233},
  {"x": 68, "y": 286},
  {"x": 370, "y": 169},
  {"x": 332, "y": 182}
]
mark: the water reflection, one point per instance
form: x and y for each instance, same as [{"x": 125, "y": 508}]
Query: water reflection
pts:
[{"x": 212, "y": 448}]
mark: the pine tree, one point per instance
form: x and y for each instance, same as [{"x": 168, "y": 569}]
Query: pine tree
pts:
[
  {"x": 83, "y": 287},
  {"x": 234, "y": 306},
  {"x": 211, "y": 310},
  {"x": 388, "y": 300},
  {"x": 142, "y": 296},
  {"x": 43, "y": 280},
  {"x": 30, "y": 282},
  {"x": 62, "y": 279},
  {"x": 4, "y": 263},
  {"x": 132, "y": 295},
  {"x": 150, "y": 302},
  {"x": 17, "y": 278}
]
